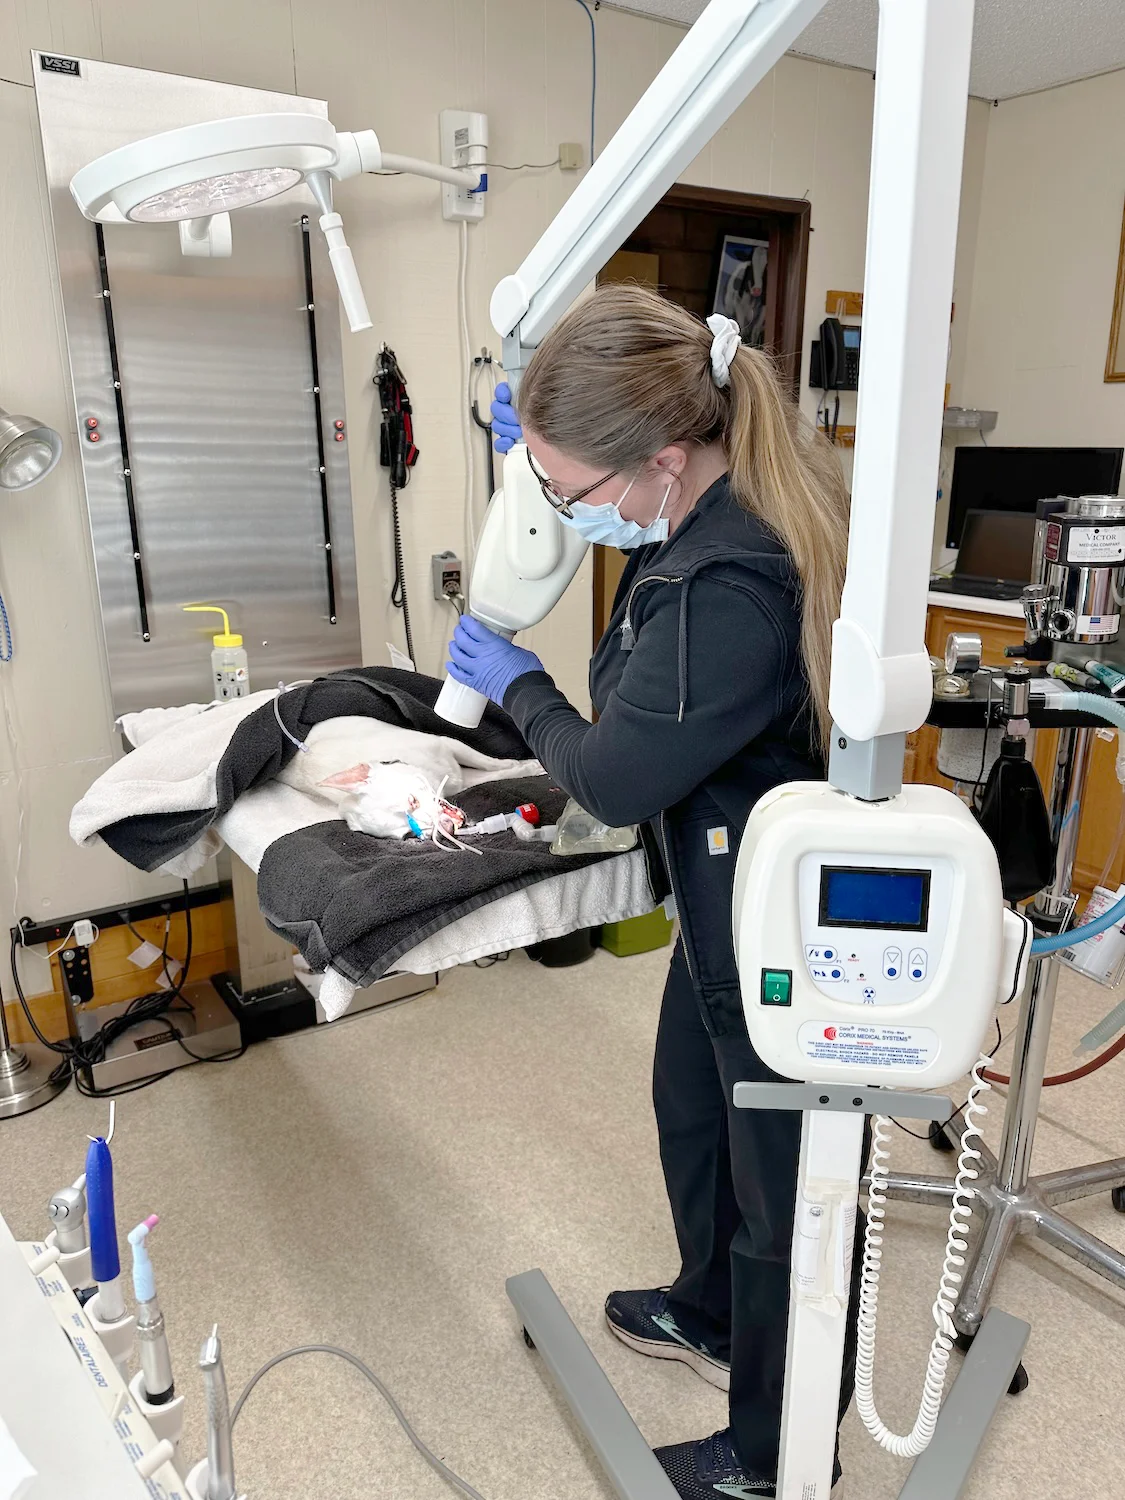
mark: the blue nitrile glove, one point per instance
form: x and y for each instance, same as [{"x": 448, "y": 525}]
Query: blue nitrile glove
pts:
[
  {"x": 506, "y": 429},
  {"x": 483, "y": 660}
]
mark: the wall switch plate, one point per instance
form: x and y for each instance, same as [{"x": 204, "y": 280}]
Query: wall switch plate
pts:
[{"x": 571, "y": 156}]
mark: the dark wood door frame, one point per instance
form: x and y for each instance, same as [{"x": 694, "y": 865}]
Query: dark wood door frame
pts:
[
  {"x": 786, "y": 326},
  {"x": 789, "y": 230}
]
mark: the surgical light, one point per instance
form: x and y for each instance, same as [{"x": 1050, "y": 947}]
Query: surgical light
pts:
[
  {"x": 29, "y": 450},
  {"x": 199, "y": 172}
]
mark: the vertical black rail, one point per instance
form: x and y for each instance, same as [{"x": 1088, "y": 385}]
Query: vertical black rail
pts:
[
  {"x": 123, "y": 430},
  {"x": 326, "y": 517}
]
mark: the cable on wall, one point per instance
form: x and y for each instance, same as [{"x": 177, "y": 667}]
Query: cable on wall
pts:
[
  {"x": 593, "y": 72},
  {"x": 466, "y": 391}
]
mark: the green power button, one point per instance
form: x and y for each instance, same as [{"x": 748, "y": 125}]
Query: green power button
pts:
[{"x": 776, "y": 985}]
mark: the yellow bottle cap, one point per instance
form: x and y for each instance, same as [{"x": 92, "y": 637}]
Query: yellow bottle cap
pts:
[{"x": 225, "y": 637}]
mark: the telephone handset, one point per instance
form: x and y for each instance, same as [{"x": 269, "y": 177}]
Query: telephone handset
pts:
[
  {"x": 838, "y": 352},
  {"x": 832, "y": 353}
]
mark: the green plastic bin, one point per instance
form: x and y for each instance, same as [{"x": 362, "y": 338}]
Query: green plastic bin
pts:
[{"x": 638, "y": 934}]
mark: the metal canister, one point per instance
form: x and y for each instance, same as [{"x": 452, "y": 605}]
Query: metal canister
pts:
[{"x": 1083, "y": 566}]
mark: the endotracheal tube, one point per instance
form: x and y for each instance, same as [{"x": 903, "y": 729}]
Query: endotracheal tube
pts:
[{"x": 951, "y": 1276}]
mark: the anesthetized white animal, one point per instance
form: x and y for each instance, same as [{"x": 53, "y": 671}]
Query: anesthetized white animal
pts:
[{"x": 370, "y": 770}]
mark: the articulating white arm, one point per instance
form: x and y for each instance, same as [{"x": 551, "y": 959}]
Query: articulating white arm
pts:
[
  {"x": 730, "y": 48},
  {"x": 881, "y": 679}
]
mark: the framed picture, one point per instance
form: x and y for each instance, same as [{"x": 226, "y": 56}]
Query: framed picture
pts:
[
  {"x": 1115, "y": 358},
  {"x": 740, "y": 286}
]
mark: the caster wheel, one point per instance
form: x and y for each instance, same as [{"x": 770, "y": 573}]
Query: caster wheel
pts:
[
  {"x": 528, "y": 1340},
  {"x": 1118, "y": 1197},
  {"x": 1019, "y": 1381},
  {"x": 939, "y": 1140}
]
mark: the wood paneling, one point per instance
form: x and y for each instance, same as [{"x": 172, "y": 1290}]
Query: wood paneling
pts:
[{"x": 116, "y": 979}]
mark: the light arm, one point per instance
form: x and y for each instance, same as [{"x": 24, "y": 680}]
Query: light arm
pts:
[
  {"x": 881, "y": 680},
  {"x": 730, "y": 48}
]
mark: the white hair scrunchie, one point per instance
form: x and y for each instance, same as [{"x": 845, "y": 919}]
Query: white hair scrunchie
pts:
[{"x": 724, "y": 346}]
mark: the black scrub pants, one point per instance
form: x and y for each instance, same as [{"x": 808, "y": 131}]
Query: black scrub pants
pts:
[{"x": 731, "y": 1176}]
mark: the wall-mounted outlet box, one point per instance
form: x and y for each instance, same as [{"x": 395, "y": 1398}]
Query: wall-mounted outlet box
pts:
[
  {"x": 464, "y": 143},
  {"x": 571, "y": 156}
]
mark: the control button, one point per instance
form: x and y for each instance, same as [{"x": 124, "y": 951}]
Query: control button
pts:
[
  {"x": 816, "y": 954},
  {"x": 776, "y": 986},
  {"x": 830, "y": 972},
  {"x": 892, "y": 963},
  {"x": 917, "y": 963}
]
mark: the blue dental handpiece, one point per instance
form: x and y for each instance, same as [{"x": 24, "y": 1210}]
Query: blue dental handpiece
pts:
[{"x": 105, "y": 1261}]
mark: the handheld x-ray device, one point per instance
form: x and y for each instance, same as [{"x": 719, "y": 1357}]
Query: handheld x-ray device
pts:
[{"x": 524, "y": 563}]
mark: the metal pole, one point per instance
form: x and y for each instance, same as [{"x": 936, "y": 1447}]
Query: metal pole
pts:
[{"x": 1033, "y": 1033}]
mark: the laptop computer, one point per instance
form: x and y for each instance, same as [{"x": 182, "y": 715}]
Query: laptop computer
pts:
[{"x": 994, "y": 559}]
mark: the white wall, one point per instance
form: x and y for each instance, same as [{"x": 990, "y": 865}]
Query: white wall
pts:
[
  {"x": 391, "y": 65},
  {"x": 1046, "y": 259}
]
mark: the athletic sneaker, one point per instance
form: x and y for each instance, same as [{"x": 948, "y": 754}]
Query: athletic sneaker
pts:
[
  {"x": 710, "y": 1470},
  {"x": 642, "y": 1320}
]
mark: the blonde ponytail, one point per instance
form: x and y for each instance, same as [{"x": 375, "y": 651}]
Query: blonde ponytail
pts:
[
  {"x": 786, "y": 474},
  {"x": 626, "y": 373}
]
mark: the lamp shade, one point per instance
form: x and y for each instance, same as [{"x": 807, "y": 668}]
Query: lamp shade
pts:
[
  {"x": 204, "y": 169},
  {"x": 28, "y": 451}
]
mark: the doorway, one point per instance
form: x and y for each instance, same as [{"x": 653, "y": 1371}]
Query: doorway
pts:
[{"x": 708, "y": 249}]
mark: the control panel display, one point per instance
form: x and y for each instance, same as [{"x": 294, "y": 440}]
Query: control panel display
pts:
[
  {"x": 873, "y": 932},
  {"x": 889, "y": 900}
]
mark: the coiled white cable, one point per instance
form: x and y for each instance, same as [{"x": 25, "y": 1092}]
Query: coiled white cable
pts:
[{"x": 951, "y": 1276}]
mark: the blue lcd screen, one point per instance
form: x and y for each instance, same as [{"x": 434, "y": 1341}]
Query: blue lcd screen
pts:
[
  {"x": 851, "y": 338},
  {"x": 897, "y": 900}
]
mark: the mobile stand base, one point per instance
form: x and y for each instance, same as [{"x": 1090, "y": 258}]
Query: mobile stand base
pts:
[{"x": 633, "y": 1470}]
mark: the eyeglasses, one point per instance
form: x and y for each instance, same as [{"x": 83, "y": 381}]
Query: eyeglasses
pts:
[{"x": 562, "y": 503}]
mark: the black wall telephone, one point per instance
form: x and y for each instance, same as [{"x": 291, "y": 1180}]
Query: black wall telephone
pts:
[{"x": 834, "y": 359}]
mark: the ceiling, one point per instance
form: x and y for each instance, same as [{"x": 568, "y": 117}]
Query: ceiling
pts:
[{"x": 1019, "y": 46}]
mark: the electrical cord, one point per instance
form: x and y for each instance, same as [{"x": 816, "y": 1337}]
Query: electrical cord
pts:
[
  {"x": 593, "y": 71},
  {"x": 82, "y": 1055},
  {"x": 992, "y": 1078},
  {"x": 427, "y": 1453},
  {"x": 952, "y": 1274},
  {"x": 467, "y": 357},
  {"x": 522, "y": 166}
]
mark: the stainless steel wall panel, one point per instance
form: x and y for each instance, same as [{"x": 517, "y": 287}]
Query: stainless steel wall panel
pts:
[{"x": 217, "y": 389}]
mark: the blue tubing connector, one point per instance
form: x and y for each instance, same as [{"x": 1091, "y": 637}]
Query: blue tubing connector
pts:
[{"x": 1113, "y": 713}]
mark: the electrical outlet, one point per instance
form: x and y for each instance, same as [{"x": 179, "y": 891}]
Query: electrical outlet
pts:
[
  {"x": 77, "y": 977},
  {"x": 447, "y": 572},
  {"x": 571, "y": 156}
]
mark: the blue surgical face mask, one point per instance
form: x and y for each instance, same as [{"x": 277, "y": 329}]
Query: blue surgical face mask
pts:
[{"x": 606, "y": 524}]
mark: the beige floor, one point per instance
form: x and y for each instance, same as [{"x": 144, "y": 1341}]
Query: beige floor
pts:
[{"x": 373, "y": 1183}]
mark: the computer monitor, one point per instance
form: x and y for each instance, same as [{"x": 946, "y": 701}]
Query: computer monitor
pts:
[
  {"x": 996, "y": 545},
  {"x": 1018, "y": 478}
]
